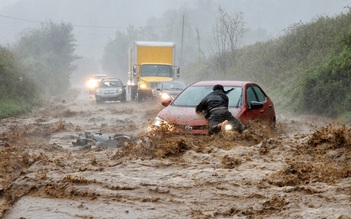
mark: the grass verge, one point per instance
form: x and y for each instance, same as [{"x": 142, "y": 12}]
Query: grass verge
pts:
[{"x": 10, "y": 108}]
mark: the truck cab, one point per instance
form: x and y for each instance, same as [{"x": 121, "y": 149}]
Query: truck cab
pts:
[{"x": 151, "y": 63}]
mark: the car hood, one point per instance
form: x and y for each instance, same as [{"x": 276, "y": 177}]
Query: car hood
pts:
[
  {"x": 186, "y": 116},
  {"x": 109, "y": 88}
]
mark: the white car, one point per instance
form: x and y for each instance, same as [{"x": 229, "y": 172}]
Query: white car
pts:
[{"x": 93, "y": 82}]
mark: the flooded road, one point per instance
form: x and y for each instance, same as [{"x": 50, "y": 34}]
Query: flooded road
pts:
[{"x": 301, "y": 170}]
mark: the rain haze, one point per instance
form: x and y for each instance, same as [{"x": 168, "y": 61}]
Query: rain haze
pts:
[
  {"x": 75, "y": 146},
  {"x": 96, "y": 22}
]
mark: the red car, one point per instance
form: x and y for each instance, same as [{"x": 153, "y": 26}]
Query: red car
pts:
[{"x": 247, "y": 102}]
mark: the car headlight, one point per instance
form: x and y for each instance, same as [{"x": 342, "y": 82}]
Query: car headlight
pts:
[
  {"x": 142, "y": 86},
  {"x": 228, "y": 127},
  {"x": 161, "y": 126},
  {"x": 159, "y": 121},
  {"x": 97, "y": 91},
  {"x": 92, "y": 83},
  {"x": 165, "y": 96}
]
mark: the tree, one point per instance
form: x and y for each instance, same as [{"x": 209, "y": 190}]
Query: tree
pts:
[
  {"x": 13, "y": 84},
  {"x": 227, "y": 33},
  {"x": 47, "y": 56},
  {"x": 115, "y": 57}
]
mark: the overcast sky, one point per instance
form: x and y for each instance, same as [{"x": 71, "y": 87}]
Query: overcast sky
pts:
[{"x": 272, "y": 15}]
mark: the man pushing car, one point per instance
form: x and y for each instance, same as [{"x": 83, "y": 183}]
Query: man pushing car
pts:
[{"x": 214, "y": 108}]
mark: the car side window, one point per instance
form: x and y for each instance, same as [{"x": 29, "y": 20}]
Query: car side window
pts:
[
  {"x": 250, "y": 96},
  {"x": 166, "y": 86},
  {"x": 260, "y": 95},
  {"x": 118, "y": 84}
]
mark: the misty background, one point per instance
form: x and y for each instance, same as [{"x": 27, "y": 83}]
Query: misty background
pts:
[{"x": 97, "y": 22}]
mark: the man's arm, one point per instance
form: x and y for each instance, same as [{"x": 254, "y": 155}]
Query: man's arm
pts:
[
  {"x": 201, "y": 106},
  {"x": 197, "y": 110}
]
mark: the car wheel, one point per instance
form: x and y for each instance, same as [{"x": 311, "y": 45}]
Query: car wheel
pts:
[
  {"x": 132, "y": 97},
  {"x": 99, "y": 101},
  {"x": 133, "y": 93},
  {"x": 140, "y": 96}
]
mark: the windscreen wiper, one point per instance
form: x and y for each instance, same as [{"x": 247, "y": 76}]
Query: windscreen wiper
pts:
[{"x": 228, "y": 91}]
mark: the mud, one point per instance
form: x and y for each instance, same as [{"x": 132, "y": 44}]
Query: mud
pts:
[{"x": 300, "y": 170}]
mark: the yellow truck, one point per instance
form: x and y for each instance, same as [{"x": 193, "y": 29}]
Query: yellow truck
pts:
[{"x": 149, "y": 64}]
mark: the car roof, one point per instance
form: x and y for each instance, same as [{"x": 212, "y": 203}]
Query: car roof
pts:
[
  {"x": 223, "y": 82},
  {"x": 110, "y": 79}
]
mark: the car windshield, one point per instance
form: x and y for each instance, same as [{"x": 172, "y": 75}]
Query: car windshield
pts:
[
  {"x": 193, "y": 95},
  {"x": 110, "y": 84},
  {"x": 173, "y": 85},
  {"x": 156, "y": 70}
]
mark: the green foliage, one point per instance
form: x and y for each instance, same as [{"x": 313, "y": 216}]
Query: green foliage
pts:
[
  {"x": 8, "y": 72},
  {"x": 38, "y": 67},
  {"x": 14, "y": 107},
  {"x": 310, "y": 72},
  {"x": 17, "y": 94},
  {"x": 326, "y": 90},
  {"x": 14, "y": 85},
  {"x": 46, "y": 55},
  {"x": 307, "y": 70}
]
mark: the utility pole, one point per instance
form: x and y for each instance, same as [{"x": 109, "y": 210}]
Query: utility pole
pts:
[{"x": 181, "y": 45}]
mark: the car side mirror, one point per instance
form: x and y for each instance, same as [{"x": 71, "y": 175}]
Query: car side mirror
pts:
[
  {"x": 178, "y": 72},
  {"x": 166, "y": 102},
  {"x": 256, "y": 105}
]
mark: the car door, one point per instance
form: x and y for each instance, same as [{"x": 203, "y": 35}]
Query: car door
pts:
[
  {"x": 255, "y": 93},
  {"x": 267, "y": 111}
]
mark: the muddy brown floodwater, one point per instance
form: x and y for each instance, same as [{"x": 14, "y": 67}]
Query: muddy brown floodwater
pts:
[{"x": 301, "y": 170}]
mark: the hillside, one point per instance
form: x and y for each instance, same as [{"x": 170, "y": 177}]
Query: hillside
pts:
[{"x": 306, "y": 70}]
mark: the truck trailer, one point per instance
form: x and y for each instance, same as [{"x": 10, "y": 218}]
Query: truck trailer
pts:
[{"x": 150, "y": 63}]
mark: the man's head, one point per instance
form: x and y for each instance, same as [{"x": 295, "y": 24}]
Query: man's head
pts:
[
  {"x": 221, "y": 88},
  {"x": 218, "y": 87}
]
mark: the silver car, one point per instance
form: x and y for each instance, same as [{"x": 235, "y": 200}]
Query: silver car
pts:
[
  {"x": 110, "y": 89},
  {"x": 168, "y": 89}
]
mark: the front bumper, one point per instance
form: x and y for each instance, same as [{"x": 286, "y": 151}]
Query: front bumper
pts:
[
  {"x": 165, "y": 127},
  {"x": 107, "y": 97}
]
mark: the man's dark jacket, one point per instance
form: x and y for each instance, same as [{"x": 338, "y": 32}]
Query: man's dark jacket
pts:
[{"x": 215, "y": 99}]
